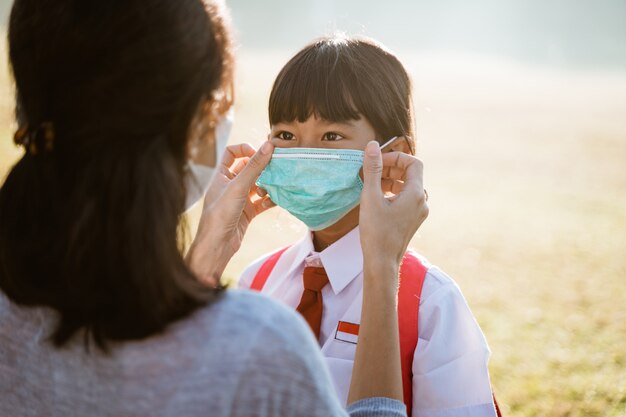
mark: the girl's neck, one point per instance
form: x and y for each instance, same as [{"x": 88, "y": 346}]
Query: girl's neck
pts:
[{"x": 326, "y": 237}]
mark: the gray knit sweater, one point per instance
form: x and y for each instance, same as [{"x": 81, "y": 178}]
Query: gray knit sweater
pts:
[{"x": 243, "y": 356}]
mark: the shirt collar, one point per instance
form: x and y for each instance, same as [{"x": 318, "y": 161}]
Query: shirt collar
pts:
[
  {"x": 297, "y": 253},
  {"x": 343, "y": 260}
]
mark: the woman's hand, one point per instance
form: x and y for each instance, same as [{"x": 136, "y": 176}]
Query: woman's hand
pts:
[
  {"x": 388, "y": 223},
  {"x": 230, "y": 204}
]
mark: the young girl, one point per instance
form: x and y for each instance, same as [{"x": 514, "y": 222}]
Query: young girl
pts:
[{"x": 326, "y": 104}]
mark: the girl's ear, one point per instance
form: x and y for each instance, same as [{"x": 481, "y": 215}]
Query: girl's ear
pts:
[{"x": 401, "y": 145}]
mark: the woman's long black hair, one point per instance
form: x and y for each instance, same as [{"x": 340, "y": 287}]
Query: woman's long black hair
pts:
[{"x": 89, "y": 219}]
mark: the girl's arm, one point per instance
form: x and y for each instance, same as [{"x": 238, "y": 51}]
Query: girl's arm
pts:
[{"x": 387, "y": 225}]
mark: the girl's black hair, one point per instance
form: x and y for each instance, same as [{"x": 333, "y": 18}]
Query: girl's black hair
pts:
[
  {"x": 339, "y": 78},
  {"x": 89, "y": 225}
]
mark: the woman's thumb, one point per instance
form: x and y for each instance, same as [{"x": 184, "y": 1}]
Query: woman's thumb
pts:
[
  {"x": 256, "y": 164},
  {"x": 372, "y": 169}
]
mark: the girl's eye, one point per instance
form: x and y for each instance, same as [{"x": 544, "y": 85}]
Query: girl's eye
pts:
[
  {"x": 285, "y": 135},
  {"x": 332, "y": 136}
]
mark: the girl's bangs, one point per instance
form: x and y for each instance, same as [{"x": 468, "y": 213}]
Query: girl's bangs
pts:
[{"x": 316, "y": 85}]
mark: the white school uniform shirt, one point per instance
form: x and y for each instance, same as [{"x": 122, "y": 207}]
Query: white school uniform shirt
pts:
[{"x": 450, "y": 375}]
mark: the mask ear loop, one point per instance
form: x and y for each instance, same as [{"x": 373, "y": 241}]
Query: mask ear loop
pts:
[
  {"x": 393, "y": 139},
  {"x": 389, "y": 142}
]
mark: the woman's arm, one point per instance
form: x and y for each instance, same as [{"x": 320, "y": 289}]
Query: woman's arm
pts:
[{"x": 387, "y": 225}]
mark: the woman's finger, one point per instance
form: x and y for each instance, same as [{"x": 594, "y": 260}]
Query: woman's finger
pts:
[
  {"x": 399, "y": 164},
  {"x": 249, "y": 211},
  {"x": 260, "y": 202},
  {"x": 234, "y": 152},
  {"x": 392, "y": 186},
  {"x": 253, "y": 195},
  {"x": 263, "y": 204},
  {"x": 261, "y": 192},
  {"x": 411, "y": 197},
  {"x": 239, "y": 166},
  {"x": 244, "y": 181},
  {"x": 393, "y": 173},
  {"x": 392, "y": 168},
  {"x": 413, "y": 173}
]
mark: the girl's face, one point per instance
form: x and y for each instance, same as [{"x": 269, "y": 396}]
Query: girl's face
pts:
[{"x": 319, "y": 133}]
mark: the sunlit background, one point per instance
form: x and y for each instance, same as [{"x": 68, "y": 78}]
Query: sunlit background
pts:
[{"x": 521, "y": 122}]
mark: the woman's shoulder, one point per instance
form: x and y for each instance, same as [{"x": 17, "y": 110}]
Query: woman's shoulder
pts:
[
  {"x": 247, "y": 301},
  {"x": 265, "y": 339},
  {"x": 279, "y": 360},
  {"x": 268, "y": 327},
  {"x": 248, "y": 315},
  {"x": 251, "y": 307},
  {"x": 222, "y": 336}
]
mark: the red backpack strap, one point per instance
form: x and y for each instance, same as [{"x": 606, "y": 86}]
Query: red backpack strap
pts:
[
  {"x": 265, "y": 270},
  {"x": 495, "y": 403},
  {"x": 412, "y": 274}
]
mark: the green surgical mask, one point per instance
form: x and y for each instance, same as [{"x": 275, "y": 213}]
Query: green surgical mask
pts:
[{"x": 318, "y": 186}]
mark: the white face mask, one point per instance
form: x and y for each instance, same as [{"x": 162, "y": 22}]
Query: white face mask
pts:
[{"x": 199, "y": 176}]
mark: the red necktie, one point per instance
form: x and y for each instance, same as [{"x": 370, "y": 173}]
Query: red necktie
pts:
[{"x": 311, "y": 304}]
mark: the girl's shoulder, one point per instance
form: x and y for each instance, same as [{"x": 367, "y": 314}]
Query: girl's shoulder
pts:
[{"x": 437, "y": 283}]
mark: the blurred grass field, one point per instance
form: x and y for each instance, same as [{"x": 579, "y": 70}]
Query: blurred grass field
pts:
[{"x": 525, "y": 168}]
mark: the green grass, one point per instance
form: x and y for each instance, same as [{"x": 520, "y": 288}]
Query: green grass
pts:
[{"x": 525, "y": 169}]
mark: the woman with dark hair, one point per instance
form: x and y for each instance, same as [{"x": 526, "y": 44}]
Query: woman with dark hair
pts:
[{"x": 100, "y": 314}]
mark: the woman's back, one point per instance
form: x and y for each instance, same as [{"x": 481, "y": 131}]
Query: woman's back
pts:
[{"x": 219, "y": 362}]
